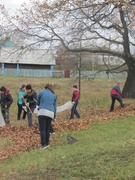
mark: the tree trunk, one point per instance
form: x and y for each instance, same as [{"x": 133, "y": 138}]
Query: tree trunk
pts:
[{"x": 129, "y": 87}]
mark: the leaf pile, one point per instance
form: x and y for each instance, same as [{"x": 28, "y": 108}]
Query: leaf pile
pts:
[
  {"x": 23, "y": 138},
  {"x": 20, "y": 139},
  {"x": 128, "y": 110}
]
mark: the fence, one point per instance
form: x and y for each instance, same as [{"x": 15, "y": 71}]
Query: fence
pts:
[{"x": 59, "y": 73}]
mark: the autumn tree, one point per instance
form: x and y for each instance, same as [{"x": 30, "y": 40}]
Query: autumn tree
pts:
[
  {"x": 64, "y": 59},
  {"x": 102, "y": 26}
]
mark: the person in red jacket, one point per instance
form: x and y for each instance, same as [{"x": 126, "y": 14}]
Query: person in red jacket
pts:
[
  {"x": 75, "y": 98},
  {"x": 116, "y": 95}
]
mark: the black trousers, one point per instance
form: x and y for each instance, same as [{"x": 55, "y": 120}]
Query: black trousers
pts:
[
  {"x": 20, "y": 109},
  {"x": 44, "y": 127},
  {"x": 51, "y": 128},
  {"x": 115, "y": 97}
]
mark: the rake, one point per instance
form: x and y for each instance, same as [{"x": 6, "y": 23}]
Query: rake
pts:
[
  {"x": 70, "y": 139},
  {"x": 35, "y": 123}
]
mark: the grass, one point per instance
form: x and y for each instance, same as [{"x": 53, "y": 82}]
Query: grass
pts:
[
  {"x": 4, "y": 141},
  {"x": 95, "y": 94},
  {"x": 105, "y": 151}
]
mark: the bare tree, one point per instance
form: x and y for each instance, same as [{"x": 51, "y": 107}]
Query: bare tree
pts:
[
  {"x": 106, "y": 26},
  {"x": 3, "y": 23}
]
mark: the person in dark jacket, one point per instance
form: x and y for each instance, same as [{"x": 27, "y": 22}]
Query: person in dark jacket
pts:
[
  {"x": 5, "y": 101},
  {"x": 31, "y": 98},
  {"x": 75, "y": 98},
  {"x": 47, "y": 110},
  {"x": 20, "y": 102},
  {"x": 116, "y": 95}
]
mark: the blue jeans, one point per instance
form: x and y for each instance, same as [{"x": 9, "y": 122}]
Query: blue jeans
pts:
[
  {"x": 115, "y": 97},
  {"x": 74, "y": 111},
  {"x": 44, "y": 127}
]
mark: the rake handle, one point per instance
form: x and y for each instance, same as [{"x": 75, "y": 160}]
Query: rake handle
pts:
[
  {"x": 27, "y": 106},
  {"x": 29, "y": 110},
  {"x": 61, "y": 128}
]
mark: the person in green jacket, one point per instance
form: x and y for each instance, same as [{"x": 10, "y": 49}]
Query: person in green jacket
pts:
[{"x": 20, "y": 102}]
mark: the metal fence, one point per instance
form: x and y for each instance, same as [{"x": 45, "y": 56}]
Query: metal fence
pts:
[{"x": 59, "y": 73}]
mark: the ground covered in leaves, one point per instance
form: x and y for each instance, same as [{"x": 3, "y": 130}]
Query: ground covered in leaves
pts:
[{"x": 18, "y": 139}]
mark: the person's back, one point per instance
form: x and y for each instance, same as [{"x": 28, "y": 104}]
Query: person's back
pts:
[
  {"x": 47, "y": 101},
  {"x": 116, "y": 95},
  {"x": 47, "y": 111},
  {"x": 116, "y": 90}
]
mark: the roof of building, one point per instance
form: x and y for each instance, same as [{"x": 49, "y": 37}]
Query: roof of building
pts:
[
  {"x": 23, "y": 56},
  {"x": 8, "y": 43}
]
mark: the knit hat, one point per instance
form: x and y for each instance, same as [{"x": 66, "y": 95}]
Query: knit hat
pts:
[
  {"x": 28, "y": 87},
  {"x": 118, "y": 83},
  {"x": 2, "y": 88}
]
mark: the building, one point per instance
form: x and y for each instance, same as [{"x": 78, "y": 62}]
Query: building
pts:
[{"x": 22, "y": 62}]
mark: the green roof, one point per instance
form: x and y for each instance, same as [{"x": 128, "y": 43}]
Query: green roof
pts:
[{"x": 8, "y": 43}]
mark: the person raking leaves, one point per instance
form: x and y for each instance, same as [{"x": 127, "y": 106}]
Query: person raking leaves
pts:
[
  {"x": 31, "y": 97},
  {"x": 116, "y": 95},
  {"x": 47, "y": 111}
]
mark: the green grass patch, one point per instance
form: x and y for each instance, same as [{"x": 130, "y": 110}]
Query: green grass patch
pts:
[
  {"x": 5, "y": 142},
  {"x": 106, "y": 151}
]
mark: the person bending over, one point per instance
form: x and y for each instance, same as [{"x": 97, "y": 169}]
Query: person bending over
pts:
[
  {"x": 31, "y": 98},
  {"x": 116, "y": 95},
  {"x": 47, "y": 110}
]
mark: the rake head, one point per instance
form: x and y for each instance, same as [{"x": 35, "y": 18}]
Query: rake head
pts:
[{"x": 70, "y": 139}]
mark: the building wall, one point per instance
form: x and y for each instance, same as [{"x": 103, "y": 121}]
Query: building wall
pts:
[
  {"x": 28, "y": 70},
  {"x": 25, "y": 66}
]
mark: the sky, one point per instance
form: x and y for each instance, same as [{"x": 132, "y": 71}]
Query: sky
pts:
[{"x": 12, "y": 5}]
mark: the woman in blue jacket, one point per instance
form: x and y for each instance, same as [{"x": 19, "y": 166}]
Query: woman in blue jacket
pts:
[{"x": 47, "y": 110}]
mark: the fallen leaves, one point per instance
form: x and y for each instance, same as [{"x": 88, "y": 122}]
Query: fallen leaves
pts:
[{"x": 23, "y": 138}]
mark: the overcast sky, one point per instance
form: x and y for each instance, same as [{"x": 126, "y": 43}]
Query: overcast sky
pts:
[{"x": 12, "y": 5}]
